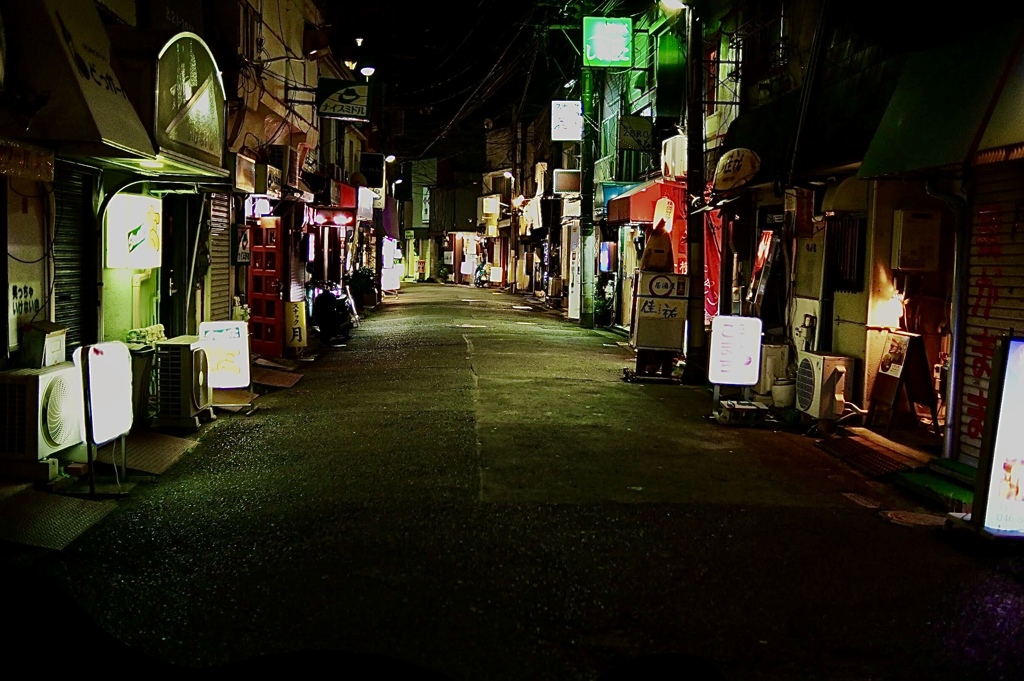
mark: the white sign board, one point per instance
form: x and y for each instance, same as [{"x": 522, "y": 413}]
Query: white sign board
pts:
[
  {"x": 566, "y": 121},
  {"x": 133, "y": 232},
  {"x": 735, "y": 350},
  {"x": 1004, "y": 507},
  {"x": 107, "y": 378},
  {"x": 227, "y": 347}
]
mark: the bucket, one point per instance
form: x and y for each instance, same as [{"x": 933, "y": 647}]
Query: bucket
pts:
[{"x": 783, "y": 392}]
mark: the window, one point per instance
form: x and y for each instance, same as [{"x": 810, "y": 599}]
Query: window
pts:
[{"x": 710, "y": 77}]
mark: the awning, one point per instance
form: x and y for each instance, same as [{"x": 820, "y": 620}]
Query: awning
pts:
[
  {"x": 942, "y": 102},
  {"x": 637, "y": 204},
  {"x": 60, "y": 60},
  {"x": 768, "y": 131},
  {"x": 1006, "y": 127}
]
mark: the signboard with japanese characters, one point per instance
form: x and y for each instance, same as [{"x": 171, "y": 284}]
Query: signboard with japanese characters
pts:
[
  {"x": 344, "y": 100},
  {"x": 295, "y": 313},
  {"x": 660, "y": 306}
]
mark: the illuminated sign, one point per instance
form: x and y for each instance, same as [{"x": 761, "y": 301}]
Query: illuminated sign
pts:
[
  {"x": 345, "y": 100},
  {"x": 107, "y": 378},
  {"x": 227, "y": 346},
  {"x": 665, "y": 209},
  {"x": 133, "y": 232},
  {"x": 566, "y": 121},
  {"x": 1004, "y": 503},
  {"x": 607, "y": 41},
  {"x": 736, "y": 168},
  {"x": 735, "y": 350},
  {"x": 190, "y": 101},
  {"x": 296, "y": 313}
]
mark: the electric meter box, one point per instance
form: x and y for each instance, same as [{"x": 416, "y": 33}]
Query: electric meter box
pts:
[{"x": 916, "y": 239}]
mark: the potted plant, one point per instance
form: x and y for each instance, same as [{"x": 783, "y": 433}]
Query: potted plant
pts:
[
  {"x": 442, "y": 273},
  {"x": 363, "y": 287}
]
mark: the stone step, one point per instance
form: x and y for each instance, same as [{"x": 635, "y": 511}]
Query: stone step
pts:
[{"x": 952, "y": 495}]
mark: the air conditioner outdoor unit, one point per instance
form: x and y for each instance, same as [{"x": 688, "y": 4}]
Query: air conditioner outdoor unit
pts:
[
  {"x": 183, "y": 389},
  {"x": 287, "y": 159},
  {"x": 821, "y": 384},
  {"x": 41, "y": 411}
]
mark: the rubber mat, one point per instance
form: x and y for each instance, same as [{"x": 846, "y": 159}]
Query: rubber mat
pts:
[
  {"x": 277, "y": 379},
  {"x": 873, "y": 461},
  {"x": 47, "y": 520},
  {"x": 148, "y": 451}
]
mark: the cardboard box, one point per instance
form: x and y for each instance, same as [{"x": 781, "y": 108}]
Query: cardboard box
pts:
[{"x": 43, "y": 345}]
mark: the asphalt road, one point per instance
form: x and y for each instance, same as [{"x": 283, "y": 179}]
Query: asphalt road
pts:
[{"x": 468, "y": 491}]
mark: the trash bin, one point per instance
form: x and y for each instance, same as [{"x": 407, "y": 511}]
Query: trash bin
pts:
[{"x": 142, "y": 370}]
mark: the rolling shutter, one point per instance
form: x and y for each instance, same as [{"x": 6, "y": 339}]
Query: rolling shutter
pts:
[
  {"x": 74, "y": 255},
  {"x": 995, "y": 298},
  {"x": 220, "y": 257}
]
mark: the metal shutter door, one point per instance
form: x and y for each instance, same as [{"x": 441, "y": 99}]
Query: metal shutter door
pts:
[
  {"x": 220, "y": 257},
  {"x": 995, "y": 298},
  {"x": 74, "y": 254}
]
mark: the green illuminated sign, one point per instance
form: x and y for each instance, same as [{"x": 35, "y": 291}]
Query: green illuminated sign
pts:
[{"x": 607, "y": 41}]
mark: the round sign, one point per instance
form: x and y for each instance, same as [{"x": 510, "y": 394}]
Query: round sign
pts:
[
  {"x": 735, "y": 168},
  {"x": 661, "y": 285}
]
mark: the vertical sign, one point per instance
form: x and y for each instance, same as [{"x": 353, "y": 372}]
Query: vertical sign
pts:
[{"x": 296, "y": 314}]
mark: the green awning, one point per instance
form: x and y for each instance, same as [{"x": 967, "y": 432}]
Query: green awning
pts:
[{"x": 942, "y": 101}]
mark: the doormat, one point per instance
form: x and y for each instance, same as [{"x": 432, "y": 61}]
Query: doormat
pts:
[
  {"x": 872, "y": 460},
  {"x": 47, "y": 520},
  {"x": 147, "y": 451},
  {"x": 272, "y": 377},
  {"x": 280, "y": 363}
]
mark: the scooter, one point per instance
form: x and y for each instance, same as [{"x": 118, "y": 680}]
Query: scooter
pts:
[{"x": 332, "y": 311}]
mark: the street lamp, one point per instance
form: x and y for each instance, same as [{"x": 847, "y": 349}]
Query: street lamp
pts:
[{"x": 367, "y": 71}]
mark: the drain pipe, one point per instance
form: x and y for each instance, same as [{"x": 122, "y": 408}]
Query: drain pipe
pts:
[{"x": 958, "y": 340}]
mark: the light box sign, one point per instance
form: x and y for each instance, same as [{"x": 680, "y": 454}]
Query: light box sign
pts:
[
  {"x": 227, "y": 347},
  {"x": 607, "y": 41},
  {"x": 296, "y": 314},
  {"x": 735, "y": 350},
  {"x": 345, "y": 100},
  {"x": 134, "y": 232},
  {"x": 107, "y": 379},
  {"x": 1004, "y": 505},
  {"x": 566, "y": 121}
]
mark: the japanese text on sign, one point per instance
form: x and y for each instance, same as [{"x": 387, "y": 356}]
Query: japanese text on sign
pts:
[
  {"x": 982, "y": 345},
  {"x": 661, "y": 309}
]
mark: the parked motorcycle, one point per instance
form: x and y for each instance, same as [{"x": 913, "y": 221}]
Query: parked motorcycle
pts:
[{"x": 332, "y": 310}]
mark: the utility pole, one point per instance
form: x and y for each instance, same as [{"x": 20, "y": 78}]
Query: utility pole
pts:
[
  {"x": 587, "y": 246},
  {"x": 696, "y": 372}
]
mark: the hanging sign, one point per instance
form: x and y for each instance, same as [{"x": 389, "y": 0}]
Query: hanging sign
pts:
[
  {"x": 345, "y": 100},
  {"x": 227, "y": 347},
  {"x": 736, "y": 168},
  {"x": 665, "y": 209},
  {"x": 566, "y": 121},
  {"x": 133, "y": 231},
  {"x": 607, "y": 41}
]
